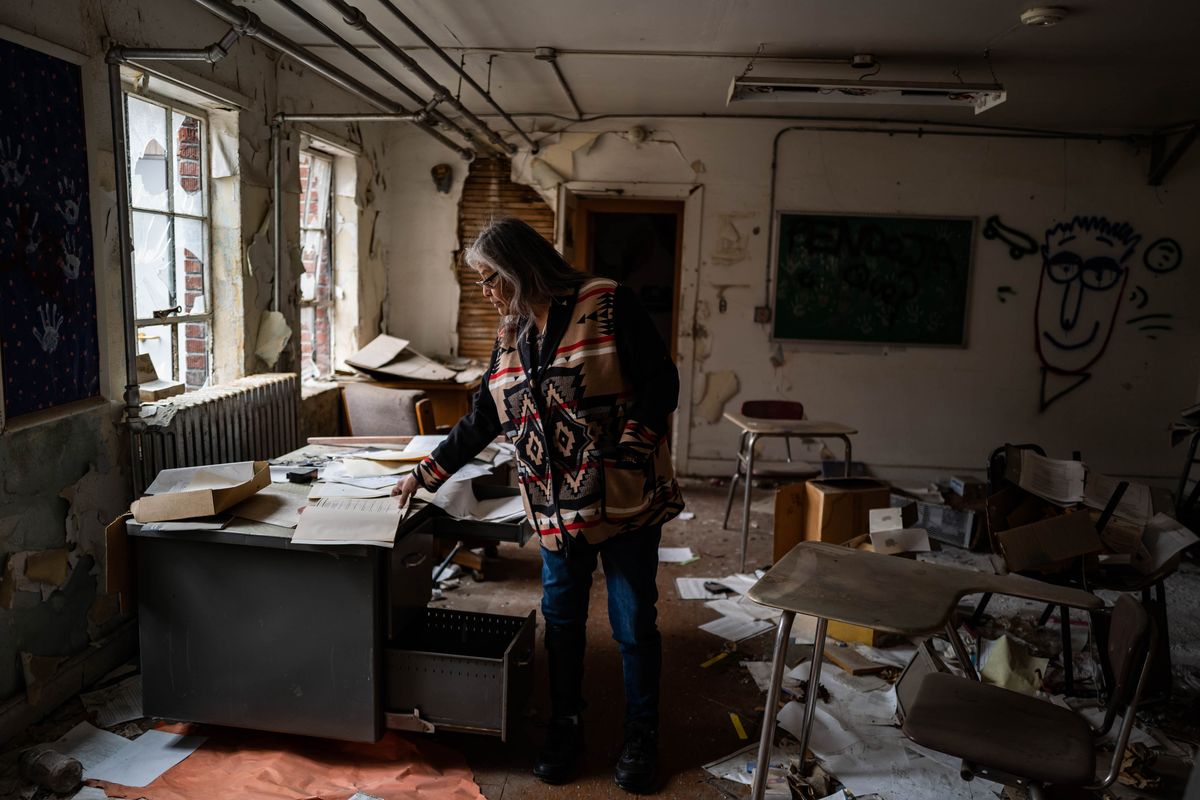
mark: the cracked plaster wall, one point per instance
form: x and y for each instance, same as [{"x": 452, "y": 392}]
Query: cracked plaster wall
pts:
[
  {"x": 65, "y": 478},
  {"x": 921, "y": 412}
]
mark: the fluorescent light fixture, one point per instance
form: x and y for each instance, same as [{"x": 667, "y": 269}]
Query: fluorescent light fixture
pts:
[{"x": 980, "y": 96}]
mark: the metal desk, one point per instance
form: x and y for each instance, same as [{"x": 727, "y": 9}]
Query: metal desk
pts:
[
  {"x": 754, "y": 429},
  {"x": 891, "y": 594}
]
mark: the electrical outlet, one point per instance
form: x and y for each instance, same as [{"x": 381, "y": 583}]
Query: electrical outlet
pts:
[{"x": 762, "y": 313}]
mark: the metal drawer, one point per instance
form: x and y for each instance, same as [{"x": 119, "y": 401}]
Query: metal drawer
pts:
[
  {"x": 460, "y": 670},
  {"x": 432, "y": 520}
]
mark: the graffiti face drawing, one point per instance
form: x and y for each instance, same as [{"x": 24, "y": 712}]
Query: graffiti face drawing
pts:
[{"x": 1083, "y": 280}]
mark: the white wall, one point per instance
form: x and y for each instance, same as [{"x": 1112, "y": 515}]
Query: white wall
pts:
[{"x": 921, "y": 412}]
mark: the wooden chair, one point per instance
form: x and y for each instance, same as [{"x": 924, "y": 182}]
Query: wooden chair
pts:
[
  {"x": 789, "y": 470},
  {"x": 1021, "y": 740},
  {"x": 379, "y": 411}
]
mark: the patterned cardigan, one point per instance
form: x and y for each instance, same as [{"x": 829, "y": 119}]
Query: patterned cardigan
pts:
[{"x": 587, "y": 414}]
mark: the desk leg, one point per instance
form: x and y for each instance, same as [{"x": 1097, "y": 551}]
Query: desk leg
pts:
[
  {"x": 767, "y": 737},
  {"x": 846, "y": 441},
  {"x": 814, "y": 687},
  {"x": 960, "y": 651},
  {"x": 751, "y": 440}
]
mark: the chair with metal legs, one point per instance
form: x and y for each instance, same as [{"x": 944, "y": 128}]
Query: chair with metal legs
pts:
[
  {"x": 1020, "y": 740},
  {"x": 746, "y": 467}
]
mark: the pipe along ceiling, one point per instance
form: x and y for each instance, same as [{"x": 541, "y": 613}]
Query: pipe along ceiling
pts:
[{"x": 427, "y": 115}]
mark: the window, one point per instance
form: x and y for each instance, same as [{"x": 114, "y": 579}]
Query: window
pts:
[
  {"x": 316, "y": 253},
  {"x": 168, "y": 190}
]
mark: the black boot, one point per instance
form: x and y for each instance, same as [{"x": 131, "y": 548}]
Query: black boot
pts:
[
  {"x": 558, "y": 760},
  {"x": 637, "y": 768}
]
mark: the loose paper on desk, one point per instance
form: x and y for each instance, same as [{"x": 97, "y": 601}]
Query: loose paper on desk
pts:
[
  {"x": 1135, "y": 504},
  {"x": 322, "y": 490},
  {"x": 364, "y": 468},
  {"x": 383, "y": 349},
  {"x": 214, "y": 476},
  {"x": 398, "y": 456},
  {"x": 350, "y": 521},
  {"x": 1165, "y": 537},
  {"x": 274, "y": 504},
  {"x": 736, "y": 629},
  {"x": 457, "y": 498},
  {"x": 1052, "y": 479},
  {"x": 424, "y": 443}
]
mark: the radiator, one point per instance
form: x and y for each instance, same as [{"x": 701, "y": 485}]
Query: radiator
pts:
[{"x": 250, "y": 419}]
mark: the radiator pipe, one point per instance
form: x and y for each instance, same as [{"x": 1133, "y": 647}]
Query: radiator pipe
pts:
[
  {"x": 462, "y": 73},
  {"x": 212, "y": 54},
  {"x": 424, "y": 115},
  {"x": 346, "y": 117},
  {"x": 357, "y": 20},
  {"x": 277, "y": 208},
  {"x": 116, "y": 98},
  {"x": 247, "y": 23}
]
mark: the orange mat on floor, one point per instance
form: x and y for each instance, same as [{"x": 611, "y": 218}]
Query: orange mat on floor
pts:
[{"x": 252, "y": 765}]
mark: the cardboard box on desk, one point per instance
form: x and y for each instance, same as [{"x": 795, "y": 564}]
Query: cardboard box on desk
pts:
[
  {"x": 838, "y": 509},
  {"x": 199, "y": 502},
  {"x": 1049, "y": 543}
]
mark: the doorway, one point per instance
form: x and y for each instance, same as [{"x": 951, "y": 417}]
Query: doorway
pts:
[{"x": 638, "y": 243}]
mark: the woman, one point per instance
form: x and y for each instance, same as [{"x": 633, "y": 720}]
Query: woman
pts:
[{"x": 581, "y": 382}]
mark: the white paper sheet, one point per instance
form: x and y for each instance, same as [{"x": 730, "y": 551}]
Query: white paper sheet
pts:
[
  {"x": 377, "y": 482},
  {"x": 736, "y": 629},
  {"x": 470, "y": 471},
  {"x": 425, "y": 443},
  {"x": 739, "y": 766},
  {"x": 383, "y": 349},
  {"x": 743, "y": 607},
  {"x": 400, "y": 456},
  {"x": 828, "y": 734},
  {"x": 89, "y": 745},
  {"x": 904, "y": 540},
  {"x": 213, "y": 476},
  {"x": 740, "y": 583},
  {"x": 350, "y": 521},
  {"x": 145, "y": 758},
  {"x": 120, "y": 702},
  {"x": 675, "y": 555},
  {"x": 364, "y": 468},
  {"x": 322, "y": 490},
  {"x": 1135, "y": 505},
  {"x": 1056, "y": 480},
  {"x": 458, "y": 500},
  {"x": 693, "y": 589},
  {"x": 1164, "y": 538},
  {"x": 274, "y": 505},
  {"x": 198, "y": 524}
]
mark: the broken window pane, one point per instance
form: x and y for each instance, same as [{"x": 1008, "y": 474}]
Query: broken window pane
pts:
[
  {"x": 156, "y": 340},
  {"x": 190, "y": 257},
  {"x": 316, "y": 256},
  {"x": 316, "y": 340},
  {"x": 148, "y": 154},
  {"x": 153, "y": 277},
  {"x": 315, "y": 175},
  {"x": 188, "y": 165}
]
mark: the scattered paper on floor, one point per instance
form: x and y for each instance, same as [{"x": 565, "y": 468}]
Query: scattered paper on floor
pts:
[
  {"x": 120, "y": 702},
  {"x": 736, "y": 629},
  {"x": 675, "y": 555},
  {"x": 693, "y": 589}
]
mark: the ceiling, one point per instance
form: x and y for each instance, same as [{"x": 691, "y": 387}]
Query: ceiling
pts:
[{"x": 1109, "y": 67}]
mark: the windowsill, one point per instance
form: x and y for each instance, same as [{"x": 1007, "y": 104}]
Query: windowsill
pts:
[
  {"x": 36, "y": 418},
  {"x": 311, "y": 387}
]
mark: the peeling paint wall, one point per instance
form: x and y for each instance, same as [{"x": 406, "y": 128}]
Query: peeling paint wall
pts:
[
  {"x": 921, "y": 412},
  {"x": 65, "y": 477}
]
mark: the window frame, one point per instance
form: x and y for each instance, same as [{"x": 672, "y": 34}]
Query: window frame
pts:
[
  {"x": 313, "y": 150},
  {"x": 172, "y": 320}
]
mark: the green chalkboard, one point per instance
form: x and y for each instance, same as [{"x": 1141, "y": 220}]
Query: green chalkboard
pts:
[{"x": 899, "y": 280}]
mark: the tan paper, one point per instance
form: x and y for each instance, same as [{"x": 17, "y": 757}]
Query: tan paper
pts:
[
  {"x": 350, "y": 521},
  {"x": 394, "y": 455},
  {"x": 199, "y": 502},
  {"x": 904, "y": 540},
  {"x": 383, "y": 349},
  {"x": 275, "y": 505}
]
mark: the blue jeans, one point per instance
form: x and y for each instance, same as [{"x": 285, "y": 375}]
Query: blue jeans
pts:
[{"x": 630, "y": 567}]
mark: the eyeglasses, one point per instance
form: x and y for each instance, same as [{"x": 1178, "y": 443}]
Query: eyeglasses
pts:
[{"x": 488, "y": 281}]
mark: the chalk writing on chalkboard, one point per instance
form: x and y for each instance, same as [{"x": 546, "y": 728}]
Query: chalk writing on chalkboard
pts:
[{"x": 888, "y": 279}]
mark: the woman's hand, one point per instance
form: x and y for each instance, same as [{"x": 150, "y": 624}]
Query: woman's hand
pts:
[{"x": 405, "y": 488}]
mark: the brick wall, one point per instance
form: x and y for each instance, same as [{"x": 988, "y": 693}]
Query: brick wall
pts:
[
  {"x": 195, "y": 334},
  {"x": 189, "y": 154},
  {"x": 488, "y": 193}
]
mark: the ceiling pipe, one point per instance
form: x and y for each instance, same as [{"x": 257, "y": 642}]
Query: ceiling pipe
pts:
[
  {"x": 357, "y": 20},
  {"x": 421, "y": 115},
  {"x": 247, "y": 23},
  {"x": 550, "y": 55},
  {"x": 462, "y": 73}
]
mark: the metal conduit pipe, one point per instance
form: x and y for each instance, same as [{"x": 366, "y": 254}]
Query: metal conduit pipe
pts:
[
  {"x": 357, "y": 20},
  {"x": 346, "y": 117},
  {"x": 550, "y": 55},
  {"x": 424, "y": 115},
  {"x": 462, "y": 73},
  {"x": 247, "y": 23},
  {"x": 116, "y": 98}
]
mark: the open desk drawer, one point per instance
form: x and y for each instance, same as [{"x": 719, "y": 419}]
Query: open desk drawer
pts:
[
  {"x": 438, "y": 523},
  {"x": 461, "y": 670}
]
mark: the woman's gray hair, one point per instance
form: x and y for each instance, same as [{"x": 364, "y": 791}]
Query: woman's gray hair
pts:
[{"x": 533, "y": 270}]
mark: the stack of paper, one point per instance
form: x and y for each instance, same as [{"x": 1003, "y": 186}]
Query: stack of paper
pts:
[
  {"x": 1061, "y": 482},
  {"x": 350, "y": 521}
]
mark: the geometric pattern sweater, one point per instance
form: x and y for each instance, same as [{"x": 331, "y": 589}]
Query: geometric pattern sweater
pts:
[{"x": 584, "y": 466}]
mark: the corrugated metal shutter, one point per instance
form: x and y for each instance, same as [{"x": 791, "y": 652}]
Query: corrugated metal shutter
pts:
[{"x": 488, "y": 193}]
